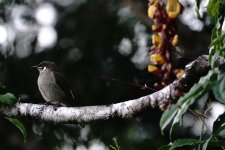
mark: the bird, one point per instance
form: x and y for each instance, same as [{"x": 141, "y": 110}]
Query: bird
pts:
[{"x": 53, "y": 85}]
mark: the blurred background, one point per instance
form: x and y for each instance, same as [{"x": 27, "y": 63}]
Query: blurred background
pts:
[{"x": 88, "y": 40}]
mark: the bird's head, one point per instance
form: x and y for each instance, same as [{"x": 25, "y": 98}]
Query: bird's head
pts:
[{"x": 46, "y": 65}]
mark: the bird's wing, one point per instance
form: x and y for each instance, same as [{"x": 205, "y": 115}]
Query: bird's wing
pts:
[{"x": 63, "y": 84}]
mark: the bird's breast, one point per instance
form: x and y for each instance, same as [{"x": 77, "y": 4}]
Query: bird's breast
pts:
[{"x": 50, "y": 91}]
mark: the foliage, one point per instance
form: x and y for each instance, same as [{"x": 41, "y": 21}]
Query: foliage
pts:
[
  {"x": 96, "y": 49},
  {"x": 198, "y": 2},
  {"x": 20, "y": 126},
  {"x": 214, "y": 9},
  {"x": 179, "y": 143},
  {"x": 10, "y": 99},
  {"x": 115, "y": 145},
  {"x": 214, "y": 81},
  {"x": 177, "y": 111},
  {"x": 219, "y": 87}
]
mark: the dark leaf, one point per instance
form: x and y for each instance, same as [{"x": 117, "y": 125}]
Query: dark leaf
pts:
[
  {"x": 1, "y": 85},
  {"x": 219, "y": 87},
  {"x": 219, "y": 124},
  {"x": 168, "y": 116},
  {"x": 198, "y": 2},
  {"x": 217, "y": 143},
  {"x": 115, "y": 145},
  {"x": 184, "y": 142},
  {"x": 165, "y": 147},
  {"x": 196, "y": 92},
  {"x": 20, "y": 126}
]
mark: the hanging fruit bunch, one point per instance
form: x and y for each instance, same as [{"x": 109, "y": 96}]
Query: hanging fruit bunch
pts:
[{"x": 164, "y": 40}]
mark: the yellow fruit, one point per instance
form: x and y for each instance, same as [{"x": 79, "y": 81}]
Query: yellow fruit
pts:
[
  {"x": 151, "y": 11},
  {"x": 157, "y": 41},
  {"x": 152, "y": 68},
  {"x": 157, "y": 59},
  {"x": 173, "y": 8}
]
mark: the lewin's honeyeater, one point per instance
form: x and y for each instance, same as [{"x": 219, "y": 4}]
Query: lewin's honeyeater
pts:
[{"x": 53, "y": 85}]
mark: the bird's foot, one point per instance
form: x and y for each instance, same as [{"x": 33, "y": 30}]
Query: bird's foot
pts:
[
  {"x": 56, "y": 105},
  {"x": 47, "y": 103}
]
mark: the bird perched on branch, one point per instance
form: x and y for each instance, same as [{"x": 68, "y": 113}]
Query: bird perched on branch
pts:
[{"x": 53, "y": 85}]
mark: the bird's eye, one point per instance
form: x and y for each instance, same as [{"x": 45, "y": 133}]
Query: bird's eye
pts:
[{"x": 41, "y": 68}]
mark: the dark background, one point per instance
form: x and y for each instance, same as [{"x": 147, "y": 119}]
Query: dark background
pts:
[{"x": 89, "y": 35}]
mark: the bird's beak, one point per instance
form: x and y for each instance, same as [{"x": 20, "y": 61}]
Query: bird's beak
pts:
[{"x": 33, "y": 67}]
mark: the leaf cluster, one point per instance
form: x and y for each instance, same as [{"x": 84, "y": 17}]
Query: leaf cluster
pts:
[
  {"x": 213, "y": 82},
  {"x": 10, "y": 99}
]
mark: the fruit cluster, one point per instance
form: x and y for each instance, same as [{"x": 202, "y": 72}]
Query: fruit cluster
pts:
[{"x": 164, "y": 39}]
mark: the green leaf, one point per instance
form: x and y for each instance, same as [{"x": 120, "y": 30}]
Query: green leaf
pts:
[
  {"x": 219, "y": 87},
  {"x": 184, "y": 142},
  {"x": 8, "y": 99},
  {"x": 217, "y": 143},
  {"x": 168, "y": 116},
  {"x": 185, "y": 102},
  {"x": 218, "y": 126},
  {"x": 112, "y": 147},
  {"x": 214, "y": 34},
  {"x": 213, "y": 58},
  {"x": 182, "y": 110},
  {"x": 198, "y": 2},
  {"x": 20, "y": 126},
  {"x": 220, "y": 121},
  {"x": 115, "y": 145},
  {"x": 216, "y": 37},
  {"x": 196, "y": 92},
  {"x": 176, "y": 112},
  {"x": 165, "y": 147},
  {"x": 216, "y": 46},
  {"x": 205, "y": 145},
  {"x": 213, "y": 9},
  {"x": 1, "y": 85}
]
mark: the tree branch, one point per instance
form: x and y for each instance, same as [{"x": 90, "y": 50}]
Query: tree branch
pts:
[{"x": 126, "y": 109}]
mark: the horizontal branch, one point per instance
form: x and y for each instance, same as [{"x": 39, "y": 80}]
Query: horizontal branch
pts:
[{"x": 126, "y": 109}]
